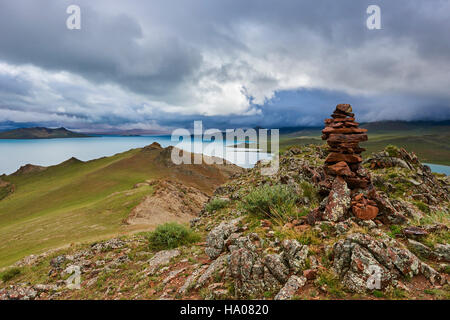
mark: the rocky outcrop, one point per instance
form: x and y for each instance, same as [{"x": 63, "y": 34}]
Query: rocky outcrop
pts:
[
  {"x": 253, "y": 271},
  {"x": 159, "y": 259},
  {"x": 215, "y": 241},
  {"x": 295, "y": 255},
  {"x": 405, "y": 168},
  {"x": 365, "y": 263},
  {"x": 291, "y": 287}
]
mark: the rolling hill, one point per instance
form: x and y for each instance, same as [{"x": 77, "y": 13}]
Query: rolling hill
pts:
[{"x": 78, "y": 201}]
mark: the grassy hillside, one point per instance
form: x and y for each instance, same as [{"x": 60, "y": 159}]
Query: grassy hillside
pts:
[
  {"x": 40, "y": 133},
  {"x": 77, "y": 201},
  {"x": 429, "y": 141}
]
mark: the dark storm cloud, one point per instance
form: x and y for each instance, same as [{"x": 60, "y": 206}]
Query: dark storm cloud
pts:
[
  {"x": 230, "y": 63},
  {"x": 107, "y": 48}
]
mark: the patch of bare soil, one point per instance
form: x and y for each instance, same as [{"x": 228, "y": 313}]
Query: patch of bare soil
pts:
[{"x": 170, "y": 202}]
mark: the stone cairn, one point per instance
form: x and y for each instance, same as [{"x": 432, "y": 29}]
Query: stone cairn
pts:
[{"x": 344, "y": 160}]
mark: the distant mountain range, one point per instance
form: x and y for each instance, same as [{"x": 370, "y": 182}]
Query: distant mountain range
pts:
[{"x": 40, "y": 133}]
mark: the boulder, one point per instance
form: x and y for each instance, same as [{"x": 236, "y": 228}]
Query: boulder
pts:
[
  {"x": 159, "y": 259},
  {"x": 338, "y": 201},
  {"x": 215, "y": 241},
  {"x": 290, "y": 288},
  {"x": 365, "y": 263}
]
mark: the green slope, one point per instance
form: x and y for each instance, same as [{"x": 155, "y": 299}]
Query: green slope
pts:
[{"x": 80, "y": 201}]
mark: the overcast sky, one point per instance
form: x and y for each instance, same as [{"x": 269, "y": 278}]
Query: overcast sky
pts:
[{"x": 163, "y": 64}]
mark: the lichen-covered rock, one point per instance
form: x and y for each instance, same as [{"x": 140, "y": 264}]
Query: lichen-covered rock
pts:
[
  {"x": 421, "y": 249},
  {"x": 108, "y": 245},
  {"x": 18, "y": 293},
  {"x": 252, "y": 272},
  {"x": 338, "y": 201},
  {"x": 276, "y": 266},
  {"x": 58, "y": 261},
  {"x": 217, "y": 266},
  {"x": 295, "y": 255},
  {"x": 355, "y": 265},
  {"x": 190, "y": 281},
  {"x": 443, "y": 251},
  {"x": 246, "y": 269},
  {"x": 215, "y": 241},
  {"x": 387, "y": 212},
  {"x": 360, "y": 258},
  {"x": 293, "y": 284},
  {"x": 159, "y": 259}
]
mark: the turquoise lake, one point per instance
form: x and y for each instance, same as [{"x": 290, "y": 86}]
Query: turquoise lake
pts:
[
  {"x": 439, "y": 168},
  {"x": 47, "y": 152}
]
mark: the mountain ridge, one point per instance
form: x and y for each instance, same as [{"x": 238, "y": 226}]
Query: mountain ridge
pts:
[{"x": 41, "y": 133}]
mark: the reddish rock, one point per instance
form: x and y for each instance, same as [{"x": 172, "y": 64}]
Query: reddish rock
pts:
[
  {"x": 337, "y": 157},
  {"x": 346, "y": 138},
  {"x": 367, "y": 212},
  {"x": 414, "y": 232},
  {"x": 340, "y": 169},
  {"x": 358, "y": 197},
  {"x": 310, "y": 274},
  {"x": 357, "y": 183},
  {"x": 266, "y": 223},
  {"x": 288, "y": 225},
  {"x": 338, "y": 201},
  {"x": 313, "y": 217},
  {"x": 344, "y": 107},
  {"x": 335, "y": 129},
  {"x": 301, "y": 228}
]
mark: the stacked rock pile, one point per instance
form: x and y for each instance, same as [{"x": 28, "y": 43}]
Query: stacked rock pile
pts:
[{"x": 343, "y": 136}]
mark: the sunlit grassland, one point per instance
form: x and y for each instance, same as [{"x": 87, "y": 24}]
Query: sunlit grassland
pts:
[{"x": 71, "y": 202}]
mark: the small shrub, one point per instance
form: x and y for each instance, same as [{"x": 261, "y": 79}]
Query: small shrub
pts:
[
  {"x": 273, "y": 201},
  {"x": 171, "y": 235},
  {"x": 399, "y": 294},
  {"x": 378, "y": 294},
  {"x": 215, "y": 204},
  {"x": 9, "y": 274},
  {"x": 392, "y": 150},
  {"x": 395, "y": 230},
  {"x": 309, "y": 191}
]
